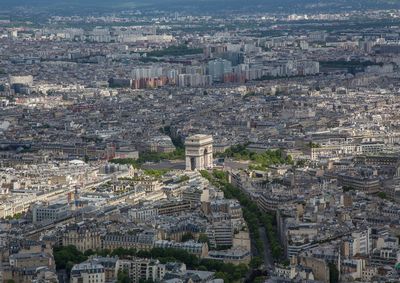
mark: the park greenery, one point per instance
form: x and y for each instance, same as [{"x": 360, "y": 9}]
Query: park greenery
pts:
[
  {"x": 259, "y": 161},
  {"x": 175, "y": 51},
  {"x": 314, "y": 145},
  {"x": 254, "y": 217},
  {"x": 15, "y": 216},
  {"x": 187, "y": 236},
  {"x": 301, "y": 163},
  {"x": 123, "y": 276},
  {"x": 184, "y": 178},
  {"x": 351, "y": 66},
  {"x": 203, "y": 238},
  {"x": 382, "y": 195},
  {"x": 66, "y": 257},
  {"x": 148, "y": 59},
  {"x": 156, "y": 173}
]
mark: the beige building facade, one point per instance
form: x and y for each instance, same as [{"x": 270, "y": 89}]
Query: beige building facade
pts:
[{"x": 199, "y": 152}]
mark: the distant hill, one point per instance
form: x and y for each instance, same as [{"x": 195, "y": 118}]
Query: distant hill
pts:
[{"x": 290, "y": 6}]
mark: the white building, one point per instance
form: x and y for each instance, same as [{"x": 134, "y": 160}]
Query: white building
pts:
[
  {"x": 88, "y": 272},
  {"x": 362, "y": 242},
  {"x": 142, "y": 269}
]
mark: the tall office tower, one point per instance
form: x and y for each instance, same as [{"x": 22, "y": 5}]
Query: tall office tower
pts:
[{"x": 218, "y": 68}]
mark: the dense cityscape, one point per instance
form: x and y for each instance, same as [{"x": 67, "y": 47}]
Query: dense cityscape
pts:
[{"x": 199, "y": 141}]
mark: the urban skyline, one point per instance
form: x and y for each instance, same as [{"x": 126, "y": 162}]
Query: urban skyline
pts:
[{"x": 199, "y": 141}]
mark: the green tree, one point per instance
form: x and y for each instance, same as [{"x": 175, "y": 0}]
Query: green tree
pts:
[
  {"x": 314, "y": 145},
  {"x": 123, "y": 276},
  {"x": 301, "y": 163},
  {"x": 382, "y": 195},
  {"x": 256, "y": 262},
  {"x": 121, "y": 252},
  {"x": 105, "y": 252},
  {"x": 187, "y": 236},
  {"x": 333, "y": 273},
  {"x": 184, "y": 178},
  {"x": 259, "y": 161},
  {"x": 156, "y": 173},
  {"x": 260, "y": 279},
  {"x": 240, "y": 271},
  {"x": 251, "y": 213},
  {"x": 89, "y": 252},
  {"x": 226, "y": 271},
  {"x": 66, "y": 257},
  {"x": 347, "y": 188},
  {"x": 175, "y": 51},
  {"x": 223, "y": 276},
  {"x": 203, "y": 238}
]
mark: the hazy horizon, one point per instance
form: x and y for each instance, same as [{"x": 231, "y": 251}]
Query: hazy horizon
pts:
[{"x": 76, "y": 6}]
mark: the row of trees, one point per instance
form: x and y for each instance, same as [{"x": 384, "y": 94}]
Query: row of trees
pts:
[
  {"x": 184, "y": 178},
  {"x": 313, "y": 145},
  {"x": 226, "y": 271},
  {"x": 156, "y": 173},
  {"x": 268, "y": 221},
  {"x": 66, "y": 257},
  {"x": 260, "y": 161},
  {"x": 251, "y": 213},
  {"x": 250, "y": 210},
  {"x": 15, "y": 216},
  {"x": 176, "y": 140},
  {"x": 175, "y": 51}
]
